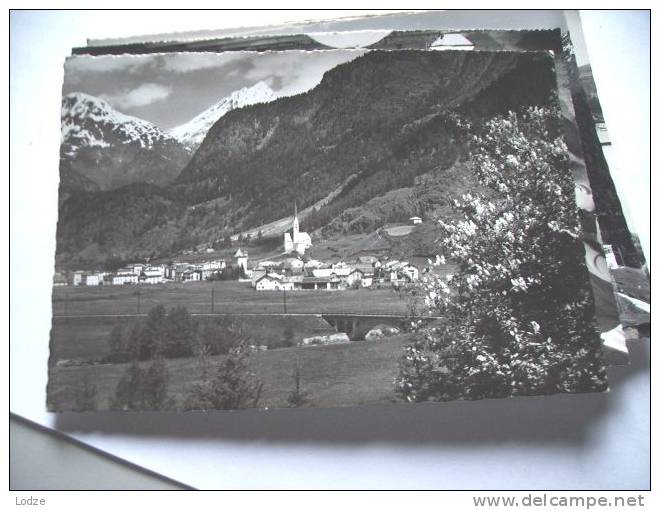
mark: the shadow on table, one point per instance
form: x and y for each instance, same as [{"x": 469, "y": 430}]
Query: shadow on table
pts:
[{"x": 544, "y": 419}]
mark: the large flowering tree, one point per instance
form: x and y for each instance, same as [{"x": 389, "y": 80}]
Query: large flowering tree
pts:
[{"x": 517, "y": 316}]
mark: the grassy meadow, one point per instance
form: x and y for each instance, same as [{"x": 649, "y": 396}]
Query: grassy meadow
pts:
[
  {"x": 229, "y": 297},
  {"x": 86, "y": 338},
  {"x": 331, "y": 375}
]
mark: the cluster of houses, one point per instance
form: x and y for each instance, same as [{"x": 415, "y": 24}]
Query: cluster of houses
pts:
[
  {"x": 143, "y": 274},
  {"x": 294, "y": 274}
]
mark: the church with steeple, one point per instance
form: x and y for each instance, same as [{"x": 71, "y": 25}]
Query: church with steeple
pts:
[{"x": 296, "y": 241}]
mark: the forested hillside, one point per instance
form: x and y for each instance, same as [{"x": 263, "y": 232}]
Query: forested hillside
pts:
[{"x": 390, "y": 118}]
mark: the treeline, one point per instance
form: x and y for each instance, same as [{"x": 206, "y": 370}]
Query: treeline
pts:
[
  {"x": 228, "y": 386},
  {"x": 226, "y": 383},
  {"x": 175, "y": 334}
]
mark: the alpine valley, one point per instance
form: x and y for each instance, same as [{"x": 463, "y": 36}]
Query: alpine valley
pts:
[{"x": 374, "y": 143}]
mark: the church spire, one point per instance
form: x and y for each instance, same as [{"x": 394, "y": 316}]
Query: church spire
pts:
[{"x": 296, "y": 225}]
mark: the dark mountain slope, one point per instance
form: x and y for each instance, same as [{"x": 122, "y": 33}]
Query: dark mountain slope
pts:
[
  {"x": 368, "y": 117},
  {"x": 125, "y": 222},
  {"x": 385, "y": 118}
]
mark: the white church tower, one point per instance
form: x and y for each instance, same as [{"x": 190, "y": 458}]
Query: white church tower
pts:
[
  {"x": 241, "y": 258},
  {"x": 296, "y": 225},
  {"x": 297, "y": 241}
]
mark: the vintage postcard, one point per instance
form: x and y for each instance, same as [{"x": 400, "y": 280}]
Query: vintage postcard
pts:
[
  {"x": 317, "y": 228},
  {"x": 619, "y": 276}
]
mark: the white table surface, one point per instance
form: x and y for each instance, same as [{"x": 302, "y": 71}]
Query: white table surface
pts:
[{"x": 581, "y": 441}]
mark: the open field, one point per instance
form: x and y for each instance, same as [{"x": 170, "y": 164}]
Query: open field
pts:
[
  {"x": 333, "y": 375},
  {"x": 400, "y": 230},
  {"x": 228, "y": 297},
  {"x": 86, "y": 338},
  {"x": 340, "y": 374},
  {"x": 348, "y": 246}
]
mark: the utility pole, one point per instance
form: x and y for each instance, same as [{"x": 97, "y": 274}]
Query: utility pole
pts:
[
  {"x": 212, "y": 300},
  {"x": 138, "y": 302},
  {"x": 284, "y": 296},
  {"x": 66, "y": 303}
]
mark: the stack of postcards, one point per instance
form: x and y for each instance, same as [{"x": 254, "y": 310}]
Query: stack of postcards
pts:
[{"x": 376, "y": 210}]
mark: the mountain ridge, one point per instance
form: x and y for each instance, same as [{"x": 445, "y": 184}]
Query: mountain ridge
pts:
[
  {"x": 386, "y": 118},
  {"x": 112, "y": 149},
  {"x": 193, "y": 132}
]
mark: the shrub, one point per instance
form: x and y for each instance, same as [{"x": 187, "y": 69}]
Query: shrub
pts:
[
  {"x": 222, "y": 334},
  {"x": 143, "y": 389},
  {"x": 518, "y": 313},
  {"x": 232, "y": 387},
  {"x": 289, "y": 333},
  {"x": 179, "y": 336},
  {"x": 297, "y": 398},
  {"x": 118, "y": 346},
  {"x": 170, "y": 334},
  {"x": 154, "y": 333},
  {"x": 85, "y": 396}
]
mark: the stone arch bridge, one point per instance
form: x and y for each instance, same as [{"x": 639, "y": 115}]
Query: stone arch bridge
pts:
[{"x": 357, "y": 326}]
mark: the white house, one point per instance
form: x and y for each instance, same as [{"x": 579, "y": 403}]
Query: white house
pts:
[
  {"x": 415, "y": 220},
  {"x": 355, "y": 275},
  {"x": 152, "y": 275},
  {"x": 411, "y": 272},
  {"x": 256, "y": 274},
  {"x": 323, "y": 272},
  {"x": 191, "y": 275},
  {"x": 77, "y": 278},
  {"x": 214, "y": 264},
  {"x": 273, "y": 281},
  {"x": 346, "y": 274},
  {"x": 394, "y": 270},
  {"x": 93, "y": 279},
  {"x": 317, "y": 283},
  {"x": 124, "y": 278}
]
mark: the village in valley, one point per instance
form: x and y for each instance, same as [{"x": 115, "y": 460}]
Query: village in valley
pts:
[{"x": 291, "y": 270}]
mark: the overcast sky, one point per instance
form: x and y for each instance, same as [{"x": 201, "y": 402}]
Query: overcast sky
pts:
[{"x": 170, "y": 89}]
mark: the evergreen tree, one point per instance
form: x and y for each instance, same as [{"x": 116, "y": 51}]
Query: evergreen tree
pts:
[
  {"x": 154, "y": 333},
  {"x": 180, "y": 333},
  {"x": 232, "y": 387},
  {"x": 143, "y": 389},
  {"x": 298, "y": 397}
]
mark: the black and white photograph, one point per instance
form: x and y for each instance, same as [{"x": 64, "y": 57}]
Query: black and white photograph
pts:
[
  {"x": 322, "y": 250},
  {"x": 316, "y": 229}
]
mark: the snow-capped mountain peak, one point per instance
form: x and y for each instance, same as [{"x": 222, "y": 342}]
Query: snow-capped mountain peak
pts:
[
  {"x": 192, "y": 133},
  {"x": 89, "y": 121}
]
